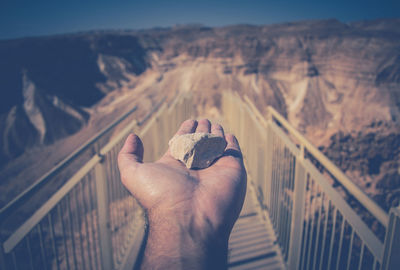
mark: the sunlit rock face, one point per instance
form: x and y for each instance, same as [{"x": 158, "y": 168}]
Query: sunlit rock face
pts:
[{"x": 328, "y": 78}]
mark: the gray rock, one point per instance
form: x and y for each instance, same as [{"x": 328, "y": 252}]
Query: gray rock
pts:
[{"x": 197, "y": 150}]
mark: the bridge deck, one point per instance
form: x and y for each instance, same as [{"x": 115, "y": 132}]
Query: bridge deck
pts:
[{"x": 252, "y": 243}]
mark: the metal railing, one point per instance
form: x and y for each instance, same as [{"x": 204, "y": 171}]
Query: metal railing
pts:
[
  {"x": 17, "y": 202},
  {"x": 92, "y": 222},
  {"x": 315, "y": 225}
]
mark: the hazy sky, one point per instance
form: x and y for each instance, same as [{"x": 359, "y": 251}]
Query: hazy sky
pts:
[{"x": 32, "y": 18}]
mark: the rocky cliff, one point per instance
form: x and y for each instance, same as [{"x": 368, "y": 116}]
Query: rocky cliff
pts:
[
  {"x": 337, "y": 83},
  {"x": 47, "y": 83}
]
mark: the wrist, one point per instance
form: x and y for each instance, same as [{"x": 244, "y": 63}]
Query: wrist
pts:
[{"x": 185, "y": 242}]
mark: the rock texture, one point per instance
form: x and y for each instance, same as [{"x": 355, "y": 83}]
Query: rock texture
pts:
[
  {"x": 197, "y": 150},
  {"x": 371, "y": 159}
]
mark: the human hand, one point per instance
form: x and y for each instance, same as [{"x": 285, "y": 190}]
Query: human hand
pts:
[{"x": 204, "y": 204}]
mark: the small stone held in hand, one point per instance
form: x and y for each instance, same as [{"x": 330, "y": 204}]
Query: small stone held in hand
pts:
[{"x": 197, "y": 150}]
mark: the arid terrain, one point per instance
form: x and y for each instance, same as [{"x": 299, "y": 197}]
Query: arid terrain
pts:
[{"x": 337, "y": 83}]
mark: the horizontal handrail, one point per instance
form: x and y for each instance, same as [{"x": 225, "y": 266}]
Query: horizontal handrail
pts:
[
  {"x": 373, "y": 243},
  {"x": 26, "y": 227},
  {"x": 155, "y": 108},
  {"x": 128, "y": 129},
  {"x": 16, "y": 202},
  {"x": 311, "y": 219},
  {"x": 352, "y": 188}
]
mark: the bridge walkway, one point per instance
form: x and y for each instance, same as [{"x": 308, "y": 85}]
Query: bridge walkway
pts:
[
  {"x": 252, "y": 244},
  {"x": 92, "y": 222}
]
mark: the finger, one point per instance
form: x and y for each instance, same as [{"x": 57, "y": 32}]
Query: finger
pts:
[
  {"x": 131, "y": 154},
  {"x": 232, "y": 156},
  {"x": 232, "y": 147},
  {"x": 217, "y": 129},
  {"x": 203, "y": 126},
  {"x": 133, "y": 146},
  {"x": 188, "y": 126},
  {"x": 232, "y": 142}
]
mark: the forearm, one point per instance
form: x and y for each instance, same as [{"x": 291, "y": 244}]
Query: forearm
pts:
[{"x": 172, "y": 245}]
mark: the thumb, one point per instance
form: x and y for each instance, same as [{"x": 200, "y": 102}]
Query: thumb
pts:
[{"x": 130, "y": 156}]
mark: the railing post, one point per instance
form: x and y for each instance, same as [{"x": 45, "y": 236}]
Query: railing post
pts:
[
  {"x": 2, "y": 257},
  {"x": 268, "y": 167},
  {"x": 297, "y": 225},
  {"x": 391, "y": 258},
  {"x": 106, "y": 250},
  {"x": 302, "y": 152}
]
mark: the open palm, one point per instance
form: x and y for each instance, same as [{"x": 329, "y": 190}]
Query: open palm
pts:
[{"x": 211, "y": 197}]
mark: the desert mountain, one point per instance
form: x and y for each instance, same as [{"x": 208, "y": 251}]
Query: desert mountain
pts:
[
  {"x": 48, "y": 82},
  {"x": 337, "y": 83}
]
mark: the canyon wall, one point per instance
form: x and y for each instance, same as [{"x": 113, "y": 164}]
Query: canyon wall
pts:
[{"x": 337, "y": 83}]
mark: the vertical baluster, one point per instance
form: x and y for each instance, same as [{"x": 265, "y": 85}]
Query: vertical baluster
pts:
[
  {"x": 119, "y": 207},
  {"x": 288, "y": 196},
  {"x": 112, "y": 207},
  {"x": 292, "y": 161},
  {"x": 277, "y": 178},
  {"x": 297, "y": 221},
  {"x": 63, "y": 234},
  {"x": 307, "y": 204},
  {"x": 103, "y": 217},
  {"x": 53, "y": 239},
  {"x": 115, "y": 208},
  {"x": 43, "y": 254},
  {"x": 277, "y": 189},
  {"x": 391, "y": 258},
  {"x": 268, "y": 167},
  {"x": 121, "y": 192},
  {"x": 28, "y": 246},
  {"x": 2, "y": 257},
  {"x": 71, "y": 223},
  {"x": 361, "y": 256},
  {"x": 312, "y": 223},
  {"x": 92, "y": 218},
  {"x": 273, "y": 180},
  {"x": 79, "y": 226},
  {"x": 14, "y": 260},
  {"x": 121, "y": 203},
  {"x": 283, "y": 200},
  {"x": 324, "y": 235},
  {"x": 332, "y": 239},
  {"x": 350, "y": 248},
  {"x": 375, "y": 264},
  {"x": 318, "y": 227},
  {"x": 340, "y": 243},
  {"x": 85, "y": 213}
]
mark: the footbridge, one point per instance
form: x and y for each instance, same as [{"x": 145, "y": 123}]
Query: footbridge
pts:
[{"x": 300, "y": 212}]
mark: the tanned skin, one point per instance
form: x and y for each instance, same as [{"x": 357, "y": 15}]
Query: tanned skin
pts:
[{"x": 190, "y": 212}]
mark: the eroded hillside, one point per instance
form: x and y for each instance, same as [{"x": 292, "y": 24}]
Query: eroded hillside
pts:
[{"x": 331, "y": 80}]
